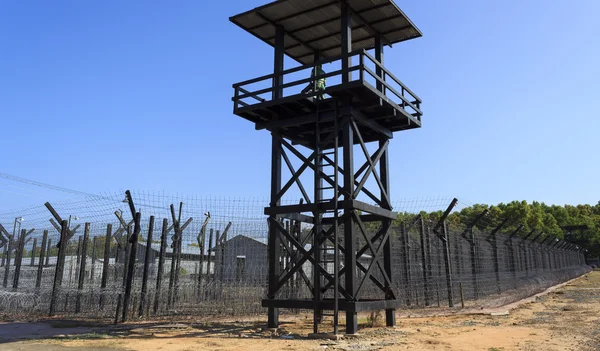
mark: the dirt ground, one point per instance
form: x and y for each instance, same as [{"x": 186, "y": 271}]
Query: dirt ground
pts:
[{"x": 565, "y": 318}]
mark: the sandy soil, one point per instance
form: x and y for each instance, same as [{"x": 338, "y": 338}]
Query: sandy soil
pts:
[{"x": 566, "y": 318}]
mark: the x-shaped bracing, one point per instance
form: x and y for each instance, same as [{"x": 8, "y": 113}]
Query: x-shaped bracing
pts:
[
  {"x": 306, "y": 256},
  {"x": 371, "y": 163},
  {"x": 307, "y": 162},
  {"x": 376, "y": 252},
  {"x": 382, "y": 234}
]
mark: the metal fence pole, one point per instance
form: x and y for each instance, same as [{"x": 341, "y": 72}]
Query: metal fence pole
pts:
[
  {"x": 58, "y": 274},
  {"x": 48, "y": 252},
  {"x": 105, "y": 264},
  {"x": 81, "y": 277},
  {"x": 424, "y": 259},
  {"x": 407, "y": 265},
  {"x": 19, "y": 258},
  {"x": 93, "y": 268},
  {"x": 40, "y": 270},
  {"x": 133, "y": 243},
  {"x": 474, "y": 261},
  {"x": 33, "y": 250},
  {"x": 10, "y": 248},
  {"x": 161, "y": 262},
  {"x": 146, "y": 266},
  {"x": 448, "y": 264}
]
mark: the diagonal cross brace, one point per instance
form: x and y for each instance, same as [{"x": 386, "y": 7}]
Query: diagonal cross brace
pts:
[
  {"x": 371, "y": 248},
  {"x": 290, "y": 252},
  {"x": 295, "y": 176},
  {"x": 375, "y": 258},
  {"x": 360, "y": 265},
  {"x": 372, "y": 164},
  {"x": 306, "y": 255}
]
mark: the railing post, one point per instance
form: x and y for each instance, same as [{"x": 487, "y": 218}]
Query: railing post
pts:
[{"x": 379, "y": 57}]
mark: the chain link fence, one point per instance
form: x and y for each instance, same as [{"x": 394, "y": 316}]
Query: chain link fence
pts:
[{"x": 216, "y": 264}]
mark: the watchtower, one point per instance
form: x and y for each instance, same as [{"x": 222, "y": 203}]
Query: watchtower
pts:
[{"x": 360, "y": 102}]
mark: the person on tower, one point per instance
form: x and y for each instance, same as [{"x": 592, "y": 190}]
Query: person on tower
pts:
[{"x": 318, "y": 84}]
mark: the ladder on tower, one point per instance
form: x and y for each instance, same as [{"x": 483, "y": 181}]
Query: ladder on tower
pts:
[{"x": 326, "y": 167}]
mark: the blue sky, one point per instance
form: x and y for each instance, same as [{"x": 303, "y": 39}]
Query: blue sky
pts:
[{"x": 108, "y": 95}]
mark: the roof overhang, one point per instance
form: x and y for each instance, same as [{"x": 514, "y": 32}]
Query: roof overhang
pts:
[{"x": 312, "y": 26}]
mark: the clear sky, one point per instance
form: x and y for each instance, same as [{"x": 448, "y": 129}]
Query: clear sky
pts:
[{"x": 107, "y": 95}]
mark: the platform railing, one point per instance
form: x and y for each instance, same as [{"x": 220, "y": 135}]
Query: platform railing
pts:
[{"x": 259, "y": 90}]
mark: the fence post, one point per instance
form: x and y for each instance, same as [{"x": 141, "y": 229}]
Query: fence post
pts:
[
  {"x": 161, "y": 262},
  {"x": 9, "y": 250},
  {"x": 172, "y": 272},
  {"x": 406, "y": 247},
  {"x": 48, "y": 252},
  {"x": 146, "y": 267},
  {"x": 535, "y": 249},
  {"x": 32, "y": 263},
  {"x": 458, "y": 257},
  {"x": 218, "y": 257},
  {"x": 40, "y": 270},
  {"x": 525, "y": 252},
  {"x": 81, "y": 280},
  {"x": 78, "y": 259},
  {"x": 448, "y": 264},
  {"x": 493, "y": 240},
  {"x": 511, "y": 247},
  {"x": 474, "y": 261},
  {"x": 19, "y": 258},
  {"x": 424, "y": 261},
  {"x": 201, "y": 238},
  {"x": 133, "y": 242},
  {"x": 106, "y": 260},
  {"x": 58, "y": 273},
  {"x": 93, "y": 268}
]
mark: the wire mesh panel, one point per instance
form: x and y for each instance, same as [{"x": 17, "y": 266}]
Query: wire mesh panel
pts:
[{"x": 217, "y": 264}]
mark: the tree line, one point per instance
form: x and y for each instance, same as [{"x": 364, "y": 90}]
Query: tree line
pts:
[{"x": 553, "y": 220}]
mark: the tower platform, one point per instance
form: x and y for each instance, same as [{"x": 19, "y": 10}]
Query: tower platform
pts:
[{"x": 383, "y": 106}]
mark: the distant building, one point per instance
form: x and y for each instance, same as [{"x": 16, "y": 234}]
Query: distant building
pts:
[{"x": 241, "y": 259}]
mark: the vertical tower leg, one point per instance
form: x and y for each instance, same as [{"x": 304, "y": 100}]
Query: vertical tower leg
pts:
[
  {"x": 349, "y": 242},
  {"x": 273, "y": 243},
  {"x": 390, "y": 314}
]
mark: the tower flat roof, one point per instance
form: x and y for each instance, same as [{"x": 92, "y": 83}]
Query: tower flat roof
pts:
[{"x": 314, "y": 25}]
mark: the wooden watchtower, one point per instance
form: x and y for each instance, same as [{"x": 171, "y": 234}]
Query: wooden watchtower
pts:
[{"x": 345, "y": 262}]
